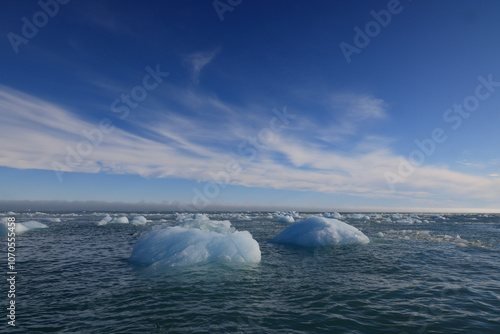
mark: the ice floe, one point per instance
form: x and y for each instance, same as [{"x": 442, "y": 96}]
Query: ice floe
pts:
[
  {"x": 196, "y": 239},
  {"x": 320, "y": 231}
]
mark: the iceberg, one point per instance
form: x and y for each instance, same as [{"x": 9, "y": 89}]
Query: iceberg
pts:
[
  {"x": 120, "y": 220},
  {"x": 116, "y": 220},
  {"x": 196, "y": 239},
  {"x": 320, "y": 231},
  {"x": 279, "y": 214},
  {"x": 20, "y": 227},
  {"x": 139, "y": 220},
  {"x": 335, "y": 215},
  {"x": 396, "y": 216},
  {"x": 358, "y": 216},
  {"x": 50, "y": 220},
  {"x": 286, "y": 219},
  {"x": 105, "y": 220},
  {"x": 29, "y": 225}
]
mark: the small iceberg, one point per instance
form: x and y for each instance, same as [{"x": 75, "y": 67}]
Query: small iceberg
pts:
[
  {"x": 286, "y": 219},
  {"x": 334, "y": 215},
  {"x": 119, "y": 220},
  {"x": 139, "y": 220},
  {"x": 20, "y": 227},
  {"x": 358, "y": 216},
  {"x": 320, "y": 231},
  {"x": 196, "y": 239},
  {"x": 50, "y": 220},
  {"x": 28, "y": 226},
  {"x": 104, "y": 221}
]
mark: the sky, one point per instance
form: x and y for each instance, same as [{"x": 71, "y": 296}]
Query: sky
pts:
[{"x": 327, "y": 105}]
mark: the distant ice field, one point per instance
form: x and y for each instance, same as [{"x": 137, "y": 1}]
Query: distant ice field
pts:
[{"x": 255, "y": 272}]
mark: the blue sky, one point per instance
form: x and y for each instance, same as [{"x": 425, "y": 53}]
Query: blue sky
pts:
[{"x": 252, "y": 103}]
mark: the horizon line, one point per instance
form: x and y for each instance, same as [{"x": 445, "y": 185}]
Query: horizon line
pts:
[{"x": 60, "y": 205}]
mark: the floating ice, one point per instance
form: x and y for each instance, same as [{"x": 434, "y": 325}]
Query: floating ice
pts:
[
  {"x": 105, "y": 220},
  {"x": 277, "y": 215},
  {"x": 438, "y": 217},
  {"x": 120, "y": 220},
  {"x": 20, "y": 227},
  {"x": 238, "y": 216},
  {"x": 110, "y": 220},
  {"x": 358, "y": 216},
  {"x": 196, "y": 240},
  {"x": 424, "y": 235},
  {"x": 286, "y": 219},
  {"x": 139, "y": 220},
  {"x": 320, "y": 231},
  {"x": 50, "y": 220},
  {"x": 405, "y": 221},
  {"x": 29, "y": 225},
  {"x": 334, "y": 215}
]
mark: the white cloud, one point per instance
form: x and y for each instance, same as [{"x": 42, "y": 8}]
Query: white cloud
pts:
[
  {"x": 197, "y": 61},
  {"x": 350, "y": 112},
  {"x": 37, "y": 133},
  {"x": 359, "y": 107}
]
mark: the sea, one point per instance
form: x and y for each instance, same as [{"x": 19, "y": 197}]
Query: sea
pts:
[{"x": 420, "y": 273}]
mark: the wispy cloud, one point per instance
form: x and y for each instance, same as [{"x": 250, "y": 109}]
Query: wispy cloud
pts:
[
  {"x": 197, "y": 61},
  {"x": 36, "y": 133},
  {"x": 350, "y": 112},
  {"x": 359, "y": 107}
]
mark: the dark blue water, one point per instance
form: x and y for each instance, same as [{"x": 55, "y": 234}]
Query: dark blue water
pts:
[{"x": 74, "y": 277}]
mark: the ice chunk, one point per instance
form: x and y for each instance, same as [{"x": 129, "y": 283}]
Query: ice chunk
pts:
[
  {"x": 20, "y": 227},
  {"x": 279, "y": 214},
  {"x": 405, "y": 221},
  {"x": 335, "y": 215},
  {"x": 139, "y": 220},
  {"x": 50, "y": 220},
  {"x": 359, "y": 216},
  {"x": 105, "y": 220},
  {"x": 121, "y": 220},
  {"x": 320, "y": 231},
  {"x": 25, "y": 226},
  {"x": 237, "y": 216},
  {"x": 197, "y": 239},
  {"x": 110, "y": 220},
  {"x": 286, "y": 219},
  {"x": 425, "y": 235}
]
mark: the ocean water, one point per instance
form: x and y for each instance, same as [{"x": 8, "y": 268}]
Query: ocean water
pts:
[{"x": 419, "y": 274}]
